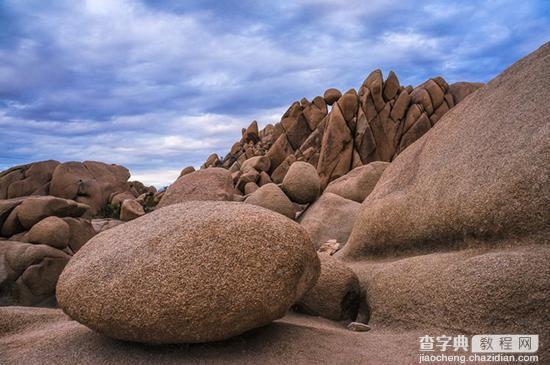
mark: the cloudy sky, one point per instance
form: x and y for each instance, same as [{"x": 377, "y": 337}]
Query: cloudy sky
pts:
[{"x": 159, "y": 85}]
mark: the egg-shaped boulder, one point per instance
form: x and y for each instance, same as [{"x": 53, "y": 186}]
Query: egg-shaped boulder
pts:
[{"x": 189, "y": 272}]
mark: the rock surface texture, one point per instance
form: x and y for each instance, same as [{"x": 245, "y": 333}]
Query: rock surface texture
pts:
[
  {"x": 29, "y": 273},
  {"x": 336, "y": 295},
  {"x": 214, "y": 270},
  {"x": 49, "y": 337},
  {"x": 330, "y": 217},
  {"x": 208, "y": 184}
]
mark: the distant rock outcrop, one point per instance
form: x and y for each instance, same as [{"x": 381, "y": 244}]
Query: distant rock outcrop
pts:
[
  {"x": 374, "y": 124},
  {"x": 89, "y": 182}
]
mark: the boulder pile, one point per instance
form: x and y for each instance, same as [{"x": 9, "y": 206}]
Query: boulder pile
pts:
[
  {"x": 336, "y": 133},
  {"x": 51, "y": 205},
  {"x": 93, "y": 183}
]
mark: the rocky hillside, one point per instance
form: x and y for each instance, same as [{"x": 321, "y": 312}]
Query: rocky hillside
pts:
[{"x": 342, "y": 234}]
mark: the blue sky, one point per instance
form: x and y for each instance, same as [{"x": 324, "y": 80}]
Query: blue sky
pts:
[{"x": 158, "y": 85}]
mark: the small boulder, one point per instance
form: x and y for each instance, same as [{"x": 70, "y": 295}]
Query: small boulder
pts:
[
  {"x": 117, "y": 199},
  {"x": 103, "y": 224},
  {"x": 130, "y": 209},
  {"x": 271, "y": 197},
  {"x": 301, "y": 183},
  {"x": 358, "y": 327},
  {"x": 259, "y": 163},
  {"x": 337, "y": 293},
  {"x": 209, "y": 184},
  {"x": 81, "y": 230},
  {"x": 332, "y": 95},
  {"x": 330, "y": 247},
  {"x": 250, "y": 187},
  {"x": 187, "y": 170},
  {"x": 52, "y": 231},
  {"x": 254, "y": 265},
  {"x": 460, "y": 90}
]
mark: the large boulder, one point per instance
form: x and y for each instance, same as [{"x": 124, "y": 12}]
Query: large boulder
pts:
[
  {"x": 271, "y": 197},
  {"x": 89, "y": 182},
  {"x": 29, "y": 273},
  {"x": 6, "y": 207},
  {"x": 34, "y": 209},
  {"x": 330, "y": 217},
  {"x": 213, "y": 270},
  {"x": 501, "y": 291},
  {"x": 481, "y": 174},
  {"x": 337, "y": 293},
  {"x": 301, "y": 183},
  {"x": 336, "y": 151},
  {"x": 358, "y": 183},
  {"x": 456, "y": 230},
  {"x": 214, "y": 183}
]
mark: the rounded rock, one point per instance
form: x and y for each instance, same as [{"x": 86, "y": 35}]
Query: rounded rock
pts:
[
  {"x": 51, "y": 231},
  {"x": 301, "y": 183},
  {"x": 332, "y": 95},
  {"x": 189, "y": 272}
]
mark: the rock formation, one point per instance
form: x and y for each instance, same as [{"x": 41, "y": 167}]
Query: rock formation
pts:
[
  {"x": 456, "y": 232},
  {"x": 374, "y": 124},
  {"x": 212, "y": 270},
  {"x": 429, "y": 218},
  {"x": 92, "y": 183}
]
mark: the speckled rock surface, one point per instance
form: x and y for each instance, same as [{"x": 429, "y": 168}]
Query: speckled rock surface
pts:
[
  {"x": 208, "y": 184},
  {"x": 330, "y": 217},
  {"x": 504, "y": 291},
  {"x": 336, "y": 295},
  {"x": 190, "y": 272},
  {"x": 41, "y": 336},
  {"x": 358, "y": 183},
  {"x": 271, "y": 197}
]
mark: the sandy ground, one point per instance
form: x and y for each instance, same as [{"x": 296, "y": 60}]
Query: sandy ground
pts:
[{"x": 48, "y": 336}]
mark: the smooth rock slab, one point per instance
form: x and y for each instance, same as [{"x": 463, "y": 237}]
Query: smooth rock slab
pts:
[{"x": 190, "y": 272}]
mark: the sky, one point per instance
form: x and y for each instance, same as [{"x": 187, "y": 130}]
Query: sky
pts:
[{"x": 159, "y": 85}]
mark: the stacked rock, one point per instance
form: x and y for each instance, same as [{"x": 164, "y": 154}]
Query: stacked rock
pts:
[
  {"x": 93, "y": 183},
  {"x": 375, "y": 124}
]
